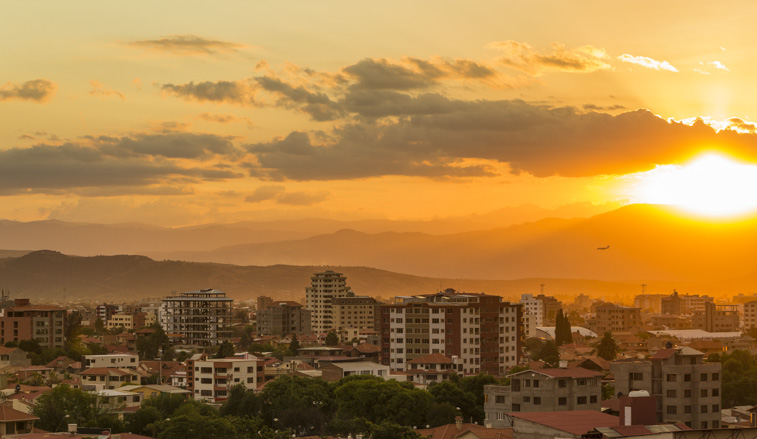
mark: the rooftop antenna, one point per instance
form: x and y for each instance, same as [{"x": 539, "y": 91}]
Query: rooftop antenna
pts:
[
  {"x": 643, "y": 288},
  {"x": 541, "y": 289}
]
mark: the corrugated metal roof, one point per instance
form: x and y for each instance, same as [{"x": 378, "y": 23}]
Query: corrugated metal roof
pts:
[{"x": 575, "y": 422}]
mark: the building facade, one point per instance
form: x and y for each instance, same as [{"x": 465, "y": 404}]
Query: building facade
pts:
[
  {"x": 201, "y": 318},
  {"x": 482, "y": 332},
  {"x": 717, "y": 318},
  {"x": 211, "y": 379},
  {"x": 324, "y": 287},
  {"x": 43, "y": 323},
  {"x": 614, "y": 318},
  {"x": 750, "y": 315},
  {"x": 282, "y": 318},
  {"x": 359, "y": 312},
  {"x": 543, "y": 390},
  {"x": 687, "y": 389}
]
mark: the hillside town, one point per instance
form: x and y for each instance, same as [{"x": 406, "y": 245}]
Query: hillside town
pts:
[{"x": 448, "y": 364}]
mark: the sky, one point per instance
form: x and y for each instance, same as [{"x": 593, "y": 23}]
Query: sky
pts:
[{"x": 185, "y": 112}]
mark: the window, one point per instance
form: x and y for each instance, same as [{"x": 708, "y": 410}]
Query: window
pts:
[
  {"x": 527, "y": 383},
  {"x": 671, "y": 393},
  {"x": 687, "y": 393},
  {"x": 715, "y": 408},
  {"x": 703, "y": 377},
  {"x": 526, "y": 399},
  {"x": 536, "y": 383},
  {"x": 593, "y": 399},
  {"x": 687, "y": 377},
  {"x": 537, "y": 400},
  {"x": 635, "y": 376},
  {"x": 581, "y": 400},
  {"x": 671, "y": 378},
  {"x": 562, "y": 383},
  {"x": 516, "y": 407},
  {"x": 671, "y": 410},
  {"x": 703, "y": 393},
  {"x": 715, "y": 376},
  {"x": 499, "y": 399},
  {"x": 515, "y": 385},
  {"x": 562, "y": 401},
  {"x": 703, "y": 409},
  {"x": 687, "y": 409},
  {"x": 715, "y": 392}
]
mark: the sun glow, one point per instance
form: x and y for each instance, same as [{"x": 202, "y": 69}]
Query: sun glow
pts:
[{"x": 711, "y": 185}]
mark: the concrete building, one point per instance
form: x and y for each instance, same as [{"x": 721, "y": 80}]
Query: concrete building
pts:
[
  {"x": 614, "y": 318},
  {"x": 282, "y": 318},
  {"x": 131, "y": 321},
  {"x": 482, "y": 331},
  {"x": 543, "y": 390},
  {"x": 358, "y": 312},
  {"x": 686, "y": 388},
  {"x": 263, "y": 302},
  {"x": 651, "y": 303},
  {"x": 538, "y": 311},
  {"x": 100, "y": 378},
  {"x": 750, "y": 315},
  {"x": 578, "y": 424},
  {"x": 105, "y": 311},
  {"x": 201, "y": 318},
  {"x": 717, "y": 318},
  {"x": 693, "y": 303},
  {"x": 43, "y": 323},
  {"x": 129, "y": 361},
  {"x": 211, "y": 379},
  {"x": 333, "y": 372},
  {"x": 324, "y": 287}
]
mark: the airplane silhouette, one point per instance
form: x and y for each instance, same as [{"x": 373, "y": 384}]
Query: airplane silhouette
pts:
[{"x": 603, "y": 248}]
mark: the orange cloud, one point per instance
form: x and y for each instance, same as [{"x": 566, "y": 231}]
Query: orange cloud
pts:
[
  {"x": 38, "y": 90},
  {"x": 523, "y": 57},
  {"x": 188, "y": 45},
  {"x": 647, "y": 62}
]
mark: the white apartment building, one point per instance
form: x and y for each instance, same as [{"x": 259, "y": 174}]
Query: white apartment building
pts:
[
  {"x": 211, "y": 379},
  {"x": 129, "y": 361},
  {"x": 323, "y": 288}
]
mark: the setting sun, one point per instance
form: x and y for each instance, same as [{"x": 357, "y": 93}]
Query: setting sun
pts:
[{"x": 710, "y": 185}]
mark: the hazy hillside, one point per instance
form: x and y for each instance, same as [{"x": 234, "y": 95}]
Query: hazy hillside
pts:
[
  {"x": 51, "y": 276},
  {"x": 646, "y": 243},
  {"x": 109, "y": 239}
]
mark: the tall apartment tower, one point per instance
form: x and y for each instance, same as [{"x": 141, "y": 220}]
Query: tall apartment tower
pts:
[
  {"x": 687, "y": 389},
  {"x": 538, "y": 311},
  {"x": 750, "y": 315},
  {"x": 480, "y": 332},
  {"x": 318, "y": 296},
  {"x": 201, "y": 318}
]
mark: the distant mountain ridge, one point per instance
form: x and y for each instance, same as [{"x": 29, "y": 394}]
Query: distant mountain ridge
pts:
[{"x": 50, "y": 276}]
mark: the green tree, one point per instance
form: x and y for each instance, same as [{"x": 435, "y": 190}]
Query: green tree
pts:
[
  {"x": 533, "y": 347},
  {"x": 150, "y": 346},
  {"x": 141, "y": 421},
  {"x": 549, "y": 353},
  {"x": 300, "y": 404},
  {"x": 563, "y": 331},
  {"x": 241, "y": 403},
  {"x": 332, "y": 339},
  {"x": 608, "y": 391},
  {"x": 607, "y": 348},
  {"x": 100, "y": 326},
  {"x": 377, "y": 400},
  {"x": 64, "y": 405},
  {"x": 225, "y": 350},
  {"x": 294, "y": 345},
  {"x": 453, "y": 395}
]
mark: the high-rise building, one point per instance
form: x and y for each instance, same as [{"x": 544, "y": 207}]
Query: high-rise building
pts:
[
  {"x": 43, "y": 323},
  {"x": 323, "y": 288},
  {"x": 687, "y": 389},
  {"x": 282, "y": 318},
  {"x": 538, "y": 311},
  {"x": 481, "y": 332},
  {"x": 211, "y": 379},
  {"x": 201, "y": 317}
]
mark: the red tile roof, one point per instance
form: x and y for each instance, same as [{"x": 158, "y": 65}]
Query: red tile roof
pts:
[
  {"x": 8, "y": 414},
  {"x": 575, "y": 422},
  {"x": 664, "y": 353},
  {"x": 450, "y": 431}
]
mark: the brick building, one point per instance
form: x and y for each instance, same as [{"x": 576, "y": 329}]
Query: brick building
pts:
[
  {"x": 282, "y": 318},
  {"x": 43, "y": 323},
  {"x": 481, "y": 331}
]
